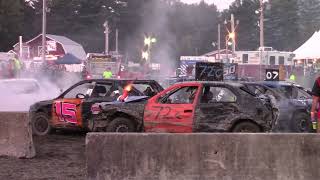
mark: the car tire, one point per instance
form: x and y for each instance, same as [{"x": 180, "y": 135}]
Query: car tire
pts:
[
  {"x": 40, "y": 124},
  {"x": 301, "y": 123},
  {"x": 121, "y": 124},
  {"x": 246, "y": 127}
]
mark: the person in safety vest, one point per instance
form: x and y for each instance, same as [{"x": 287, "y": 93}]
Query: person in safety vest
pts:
[
  {"x": 16, "y": 67},
  {"x": 17, "y": 64},
  {"x": 108, "y": 73},
  {"x": 292, "y": 77},
  {"x": 315, "y": 114}
]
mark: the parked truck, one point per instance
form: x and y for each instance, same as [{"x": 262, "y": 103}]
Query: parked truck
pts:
[{"x": 98, "y": 63}]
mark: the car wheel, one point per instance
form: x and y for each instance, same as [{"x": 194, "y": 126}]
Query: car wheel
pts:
[
  {"x": 121, "y": 125},
  {"x": 301, "y": 123},
  {"x": 40, "y": 124},
  {"x": 246, "y": 127}
]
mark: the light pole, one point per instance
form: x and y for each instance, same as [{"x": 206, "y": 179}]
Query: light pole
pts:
[
  {"x": 228, "y": 44},
  {"x": 227, "y": 40},
  {"x": 261, "y": 24},
  {"x": 106, "y": 31},
  {"x": 20, "y": 48},
  {"x": 117, "y": 41},
  {"x": 44, "y": 22},
  {"x": 219, "y": 41},
  {"x": 232, "y": 32},
  {"x": 148, "y": 41}
]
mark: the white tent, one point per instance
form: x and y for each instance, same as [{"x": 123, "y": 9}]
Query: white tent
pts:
[{"x": 310, "y": 49}]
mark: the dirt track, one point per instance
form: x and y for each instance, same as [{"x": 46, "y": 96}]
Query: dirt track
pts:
[{"x": 59, "y": 156}]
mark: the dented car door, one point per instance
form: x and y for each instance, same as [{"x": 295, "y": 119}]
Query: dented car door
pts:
[
  {"x": 67, "y": 110},
  {"x": 172, "y": 110},
  {"x": 217, "y": 108}
]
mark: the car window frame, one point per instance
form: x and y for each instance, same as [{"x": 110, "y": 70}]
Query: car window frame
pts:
[
  {"x": 169, "y": 93},
  {"x": 307, "y": 96},
  {"x": 276, "y": 94},
  {"x": 61, "y": 96},
  {"x": 278, "y": 88},
  {"x": 93, "y": 83},
  {"x": 230, "y": 88},
  {"x": 112, "y": 85},
  {"x": 153, "y": 84}
]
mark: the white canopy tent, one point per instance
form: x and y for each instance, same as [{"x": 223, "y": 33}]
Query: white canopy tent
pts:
[{"x": 310, "y": 49}]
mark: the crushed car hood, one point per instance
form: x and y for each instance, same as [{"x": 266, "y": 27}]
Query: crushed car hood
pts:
[{"x": 130, "y": 99}]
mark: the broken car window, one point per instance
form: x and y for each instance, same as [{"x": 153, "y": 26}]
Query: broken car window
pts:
[
  {"x": 217, "y": 94},
  {"x": 146, "y": 89},
  {"x": 101, "y": 90},
  {"x": 184, "y": 95},
  {"x": 300, "y": 94},
  {"x": 81, "y": 89}
]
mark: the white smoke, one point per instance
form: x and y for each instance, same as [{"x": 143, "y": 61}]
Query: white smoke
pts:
[
  {"x": 155, "y": 23},
  {"x": 20, "y": 94}
]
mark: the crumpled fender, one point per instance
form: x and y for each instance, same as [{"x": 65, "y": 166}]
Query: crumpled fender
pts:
[{"x": 132, "y": 111}]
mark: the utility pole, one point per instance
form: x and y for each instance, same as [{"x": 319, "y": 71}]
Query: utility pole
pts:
[
  {"x": 261, "y": 37},
  {"x": 227, "y": 48},
  {"x": 261, "y": 24},
  {"x": 106, "y": 37},
  {"x": 219, "y": 41},
  {"x": 234, "y": 35},
  {"x": 20, "y": 48},
  {"x": 117, "y": 41},
  {"x": 44, "y": 23}
]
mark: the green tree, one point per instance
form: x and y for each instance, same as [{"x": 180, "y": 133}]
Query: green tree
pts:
[
  {"x": 309, "y": 19},
  {"x": 247, "y": 32},
  {"x": 282, "y": 24},
  {"x": 194, "y": 27},
  {"x": 14, "y": 21},
  {"x": 180, "y": 29}
]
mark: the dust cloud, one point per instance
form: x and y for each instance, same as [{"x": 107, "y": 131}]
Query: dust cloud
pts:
[
  {"x": 155, "y": 23},
  {"x": 19, "y": 94}
]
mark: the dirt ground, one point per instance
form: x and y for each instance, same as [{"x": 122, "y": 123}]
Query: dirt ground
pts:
[{"x": 60, "y": 156}]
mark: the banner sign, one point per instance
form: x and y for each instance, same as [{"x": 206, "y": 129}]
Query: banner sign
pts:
[
  {"x": 230, "y": 71},
  {"x": 51, "y": 46},
  {"x": 197, "y": 58},
  {"x": 206, "y": 71}
]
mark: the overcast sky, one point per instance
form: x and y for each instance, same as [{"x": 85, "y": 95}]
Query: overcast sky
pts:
[{"x": 221, "y": 4}]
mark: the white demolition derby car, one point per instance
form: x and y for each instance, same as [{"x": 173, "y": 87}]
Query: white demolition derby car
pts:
[{"x": 19, "y": 94}]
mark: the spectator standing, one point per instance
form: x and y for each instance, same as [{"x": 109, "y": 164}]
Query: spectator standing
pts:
[{"x": 315, "y": 114}]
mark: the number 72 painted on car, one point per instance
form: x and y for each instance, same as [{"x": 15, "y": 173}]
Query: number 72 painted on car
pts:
[{"x": 191, "y": 107}]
